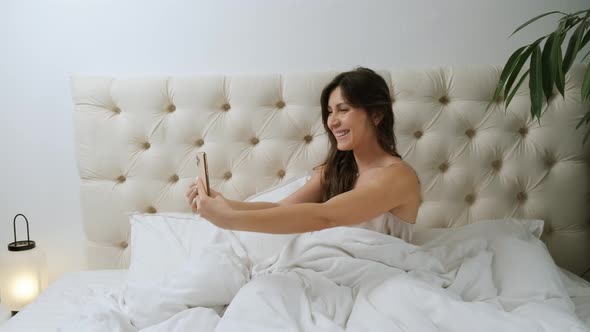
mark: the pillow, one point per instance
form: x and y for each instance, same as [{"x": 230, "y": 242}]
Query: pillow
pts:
[
  {"x": 488, "y": 228},
  {"x": 422, "y": 235},
  {"x": 263, "y": 247},
  {"x": 524, "y": 270},
  {"x": 160, "y": 242},
  {"x": 280, "y": 191},
  {"x": 174, "y": 254},
  {"x": 179, "y": 261},
  {"x": 522, "y": 267}
]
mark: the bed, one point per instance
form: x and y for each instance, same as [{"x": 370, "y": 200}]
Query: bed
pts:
[{"x": 502, "y": 237}]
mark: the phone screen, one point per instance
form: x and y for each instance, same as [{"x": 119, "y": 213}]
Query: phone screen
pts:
[{"x": 203, "y": 169}]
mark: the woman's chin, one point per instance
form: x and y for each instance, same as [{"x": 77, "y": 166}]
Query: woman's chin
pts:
[{"x": 343, "y": 147}]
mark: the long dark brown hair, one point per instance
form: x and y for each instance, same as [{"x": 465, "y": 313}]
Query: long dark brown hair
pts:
[{"x": 361, "y": 88}]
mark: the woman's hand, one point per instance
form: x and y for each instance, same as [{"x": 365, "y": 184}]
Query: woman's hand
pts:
[
  {"x": 193, "y": 193},
  {"x": 212, "y": 207}
]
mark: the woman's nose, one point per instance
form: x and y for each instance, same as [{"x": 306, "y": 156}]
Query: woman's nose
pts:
[{"x": 333, "y": 121}]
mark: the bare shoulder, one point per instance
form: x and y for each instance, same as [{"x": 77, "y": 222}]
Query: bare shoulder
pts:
[
  {"x": 399, "y": 182},
  {"x": 397, "y": 175},
  {"x": 311, "y": 192},
  {"x": 318, "y": 171}
]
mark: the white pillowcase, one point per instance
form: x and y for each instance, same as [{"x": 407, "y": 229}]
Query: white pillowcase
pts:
[
  {"x": 489, "y": 229},
  {"x": 160, "y": 242},
  {"x": 174, "y": 254},
  {"x": 180, "y": 261},
  {"x": 522, "y": 266},
  {"x": 262, "y": 247},
  {"x": 280, "y": 191}
]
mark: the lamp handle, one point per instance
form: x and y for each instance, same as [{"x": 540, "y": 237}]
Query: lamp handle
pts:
[{"x": 14, "y": 226}]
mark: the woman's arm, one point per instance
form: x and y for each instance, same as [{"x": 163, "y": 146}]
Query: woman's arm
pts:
[
  {"x": 309, "y": 192},
  {"x": 244, "y": 206},
  {"x": 389, "y": 189},
  {"x": 193, "y": 193}
]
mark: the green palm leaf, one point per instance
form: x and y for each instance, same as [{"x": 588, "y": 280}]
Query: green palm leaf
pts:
[
  {"x": 505, "y": 72},
  {"x": 574, "y": 45},
  {"x": 581, "y": 11},
  {"x": 511, "y": 95},
  {"x": 586, "y": 39},
  {"x": 536, "y": 82},
  {"x": 585, "y": 119},
  {"x": 518, "y": 66},
  {"x": 560, "y": 77},
  {"x": 548, "y": 63},
  {"x": 586, "y": 84},
  {"x": 534, "y": 19}
]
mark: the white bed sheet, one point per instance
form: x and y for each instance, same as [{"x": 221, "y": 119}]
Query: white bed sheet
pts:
[
  {"x": 61, "y": 300},
  {"x": 583, "y": 308},
  {"x": 579, "y": 291}
]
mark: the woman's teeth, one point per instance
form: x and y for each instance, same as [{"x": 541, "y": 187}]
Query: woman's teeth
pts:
[{"x": 340, "y": 134}]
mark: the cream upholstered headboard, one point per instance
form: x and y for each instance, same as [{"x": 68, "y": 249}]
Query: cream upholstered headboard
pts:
[{"x": 136, "y": 140}]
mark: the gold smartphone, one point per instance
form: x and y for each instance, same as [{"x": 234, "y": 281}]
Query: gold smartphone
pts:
[{"x": 203, "y": 169}]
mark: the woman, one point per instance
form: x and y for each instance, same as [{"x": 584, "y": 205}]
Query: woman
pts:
[{"x": 363, "y": 183}]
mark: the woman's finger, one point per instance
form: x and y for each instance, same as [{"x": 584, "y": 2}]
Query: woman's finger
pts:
[
  {"x": 192, "y": 196},
  {"x": 191, "y": 188},
  {"x": 201, "y": 188},
  {"x": 197, "y": 203},
  {"x": 193, "y": 203}
]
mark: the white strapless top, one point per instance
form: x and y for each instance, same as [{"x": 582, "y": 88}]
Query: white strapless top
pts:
[{"x": 388, "y": 223}]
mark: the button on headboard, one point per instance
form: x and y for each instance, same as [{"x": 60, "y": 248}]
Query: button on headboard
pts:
[{"x": 136, "y": 140}]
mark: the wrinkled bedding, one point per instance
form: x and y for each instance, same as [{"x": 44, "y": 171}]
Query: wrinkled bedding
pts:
[{"x": 345, "y": 279}]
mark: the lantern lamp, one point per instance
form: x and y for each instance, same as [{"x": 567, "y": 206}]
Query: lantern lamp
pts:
[{"x": 23, "y": 274}]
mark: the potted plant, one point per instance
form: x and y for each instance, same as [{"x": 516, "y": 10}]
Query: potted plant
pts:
[{"x": 548, "y": 65}]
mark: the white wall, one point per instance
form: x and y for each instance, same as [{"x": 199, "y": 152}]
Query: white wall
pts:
[{"x": 43, "y": 42}]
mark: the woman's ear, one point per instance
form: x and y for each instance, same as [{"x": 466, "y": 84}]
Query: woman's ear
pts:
[{"x": 377, "y": 117}]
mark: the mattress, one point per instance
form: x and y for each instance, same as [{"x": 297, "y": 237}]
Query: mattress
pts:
[
  {"x": 56, "y": 306},
  {"x": 63, "y": 299}
]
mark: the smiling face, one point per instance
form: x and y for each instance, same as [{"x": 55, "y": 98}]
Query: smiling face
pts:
[{"x": 351, "y": 126}]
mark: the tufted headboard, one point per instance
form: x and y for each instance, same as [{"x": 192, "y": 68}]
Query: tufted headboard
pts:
[{"x": 136, "y": 140}]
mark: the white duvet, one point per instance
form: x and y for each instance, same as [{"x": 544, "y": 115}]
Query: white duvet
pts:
[{"x": 349, "y": 279}]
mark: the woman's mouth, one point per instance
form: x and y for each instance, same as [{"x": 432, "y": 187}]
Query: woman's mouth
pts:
[{"x": 341, "y": 133}]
